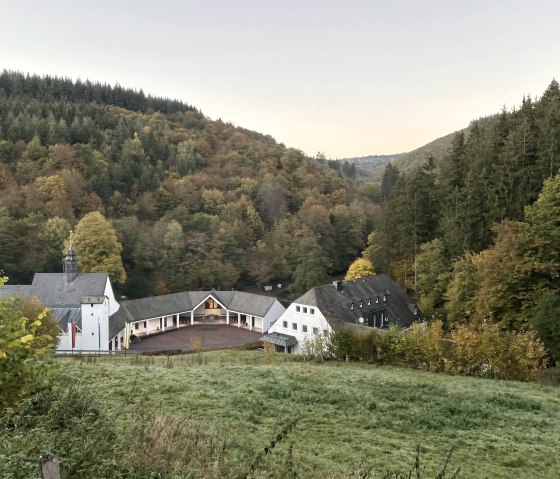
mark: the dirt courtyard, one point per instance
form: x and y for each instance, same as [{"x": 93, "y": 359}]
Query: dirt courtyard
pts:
[{"x": 211, "y": 336}]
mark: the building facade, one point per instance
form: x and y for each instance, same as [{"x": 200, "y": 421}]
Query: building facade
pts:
[{"x": 376, "y": 302}]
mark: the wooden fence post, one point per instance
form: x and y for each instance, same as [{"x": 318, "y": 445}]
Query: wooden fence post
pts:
[{"x": 48, "y": 465}]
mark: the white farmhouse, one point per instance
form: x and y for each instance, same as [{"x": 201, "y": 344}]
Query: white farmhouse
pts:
[{"x": 375, "y": 302}]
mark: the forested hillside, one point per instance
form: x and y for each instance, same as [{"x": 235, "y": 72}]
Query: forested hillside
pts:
[
  {"x": 195, "y": 203},
  {"x": 479, "y": 235}
]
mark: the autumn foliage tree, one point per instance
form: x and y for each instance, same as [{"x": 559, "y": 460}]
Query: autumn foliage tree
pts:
[
  {"x": 97, "y": 247},
  {"x": 360, "y": 268}
]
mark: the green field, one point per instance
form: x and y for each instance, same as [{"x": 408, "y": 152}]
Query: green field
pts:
[{"x": 345, "y": 414}]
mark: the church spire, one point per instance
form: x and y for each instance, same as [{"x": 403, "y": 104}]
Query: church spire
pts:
[{"x": 70, "y": 263}]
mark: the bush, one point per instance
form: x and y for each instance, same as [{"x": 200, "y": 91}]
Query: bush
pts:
[
  {"x": 486, "y": 351},
  {"x": 422, "y": 346},
  {"x": 27, "y": 334},
  {"x": 482, "y": 351}
]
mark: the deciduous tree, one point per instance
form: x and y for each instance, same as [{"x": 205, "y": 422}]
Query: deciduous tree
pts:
[{"x": 97, "y": 247}]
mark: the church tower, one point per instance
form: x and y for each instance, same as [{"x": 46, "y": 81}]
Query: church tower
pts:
[{"x": 70, "y": 263}]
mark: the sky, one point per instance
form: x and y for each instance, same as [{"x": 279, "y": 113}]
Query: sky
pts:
[{"x": 345, "y": 78}]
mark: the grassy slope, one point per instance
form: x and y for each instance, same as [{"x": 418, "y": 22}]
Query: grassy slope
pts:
[{"x": 346, "y": 413}]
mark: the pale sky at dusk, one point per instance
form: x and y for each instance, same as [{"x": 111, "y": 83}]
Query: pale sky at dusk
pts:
[{"x": 347, "y": 78}]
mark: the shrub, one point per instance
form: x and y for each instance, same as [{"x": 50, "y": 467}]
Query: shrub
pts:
[
  {"x": 487, "y": 352},
  {"x": 422, "y": 346},
  {"x": 25, "y": 339}
]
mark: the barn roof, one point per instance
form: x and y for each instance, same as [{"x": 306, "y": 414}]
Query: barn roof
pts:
[{"x": 169, "y": 304}]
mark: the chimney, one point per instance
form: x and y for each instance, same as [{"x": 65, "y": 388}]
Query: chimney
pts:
[{"x": 337, "y": 285}]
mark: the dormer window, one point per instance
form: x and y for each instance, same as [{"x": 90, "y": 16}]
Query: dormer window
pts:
[
  {"x": 369, "y": 302},
  {"x": 361, "y": 303},
  {"x": 384, "y": 297},
  {"x": 352, "y": 306},
  {"x": 377, "y": 299}
]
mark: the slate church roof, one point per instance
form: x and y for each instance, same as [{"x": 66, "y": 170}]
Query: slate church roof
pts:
[
  {"x": 343, "y": 303},
  {"x": 54, "y": 291},
  {"x": 63, "y": 297}
]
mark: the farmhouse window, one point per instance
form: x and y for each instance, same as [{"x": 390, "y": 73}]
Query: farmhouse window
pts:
[
  {"x": 315, "y": 331},
  {"x": 305, "y": 310},
  {"x": 311, "y": 311},
  {"x": 304, "y": 328},
  {"x": 297, "y": 309},
  {"x": 294, "y": 326}
]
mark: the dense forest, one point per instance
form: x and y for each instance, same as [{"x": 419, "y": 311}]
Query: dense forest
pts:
[
  {"x": 477, "y": 232},
  {"x": 195, "y": 203}
]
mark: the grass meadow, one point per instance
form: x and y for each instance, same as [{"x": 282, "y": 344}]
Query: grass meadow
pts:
[{"x": 331, "y": 419}]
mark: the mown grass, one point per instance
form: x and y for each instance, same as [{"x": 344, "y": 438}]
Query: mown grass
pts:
[{"x": 346, "y": 416}]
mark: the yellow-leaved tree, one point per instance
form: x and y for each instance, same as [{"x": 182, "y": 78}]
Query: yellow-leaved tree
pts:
[
  {"x": 360, "y": 268},
  {"x": 98, "y": 248}
]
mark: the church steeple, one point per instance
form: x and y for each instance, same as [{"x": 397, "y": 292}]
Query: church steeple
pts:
[{"x": 70, "y": 263}]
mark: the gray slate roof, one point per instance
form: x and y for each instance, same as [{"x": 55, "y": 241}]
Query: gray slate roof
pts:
[
  {"x": 64, "y": 299},
  {"x": 280, "y": 339},
  {"x": 66, "y": 315},
  {"x": 53, "y": 291},
  {"x": 16, "y": 290},
  {"x": 335, "y": 304},
  {"x": 118, "y": 320},
  {"x": 168, "y": 304}
]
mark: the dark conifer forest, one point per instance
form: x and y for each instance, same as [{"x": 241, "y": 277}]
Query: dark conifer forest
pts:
[{"x": 476, "y": 233}]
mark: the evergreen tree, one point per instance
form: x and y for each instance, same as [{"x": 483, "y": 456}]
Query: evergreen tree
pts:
[{"x": 388, "y": 181}]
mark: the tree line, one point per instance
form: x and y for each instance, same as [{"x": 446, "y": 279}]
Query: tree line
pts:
[{"x": 476, "y": 233}]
